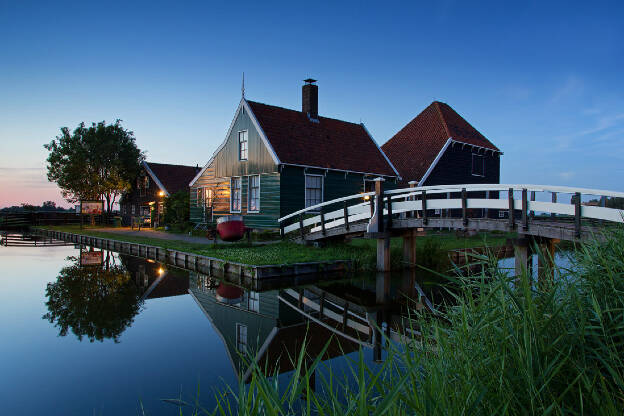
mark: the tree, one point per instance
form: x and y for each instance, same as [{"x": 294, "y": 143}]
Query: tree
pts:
[
  {"x": 96, "y": 302},
  {"x": 96, "y": 162},
  {"x": 177, "y": 208}
]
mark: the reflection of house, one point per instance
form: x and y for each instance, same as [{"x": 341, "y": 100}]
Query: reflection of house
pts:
[
  {"x": 258, "y": 324},
  {"x": 275, "y": 161},
  {"x": 154, "y": 280},
  {"x": 439, "y": 147},
  {"x": 155, "y": 182}
]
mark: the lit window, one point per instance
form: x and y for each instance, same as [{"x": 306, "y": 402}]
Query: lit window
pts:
[
  {"x": 200, "y": 196},
  {"x": 241, "y": 337},
  {"x": 478, "y": 165},
  {"x": 235, "y": 197},
  {"x": 208, "y": 195},
  {"x": 313, "y": 190},
  {"x": 253, "y": 201},
  {"x": 242, "y": 145},
  {"x": 133, "y": 210},
  {"x": 254, "y": 301}
]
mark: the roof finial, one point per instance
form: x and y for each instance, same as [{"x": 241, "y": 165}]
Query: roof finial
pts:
[{"x": 243, "y": 86}]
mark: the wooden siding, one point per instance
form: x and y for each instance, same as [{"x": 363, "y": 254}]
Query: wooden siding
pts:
[
  {"x": 269, "y": 200},
  {"x": 455, "y": 167},
  {"x": 335, "y": 185},
  {"x": 226, "y": 164}
]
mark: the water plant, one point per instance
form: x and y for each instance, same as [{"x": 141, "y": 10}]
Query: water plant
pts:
[{"x": 506, "y": 345}]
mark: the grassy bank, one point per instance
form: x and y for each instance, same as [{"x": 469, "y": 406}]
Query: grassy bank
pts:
[
  {"x": 504, "y": 346},
  {"x": 361, "y": 252}
]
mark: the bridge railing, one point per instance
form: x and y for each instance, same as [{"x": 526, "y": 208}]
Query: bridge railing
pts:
[{"x": 512, "y": 202}]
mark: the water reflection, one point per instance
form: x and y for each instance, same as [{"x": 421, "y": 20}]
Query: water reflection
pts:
[{"x": 99, "y": 294}]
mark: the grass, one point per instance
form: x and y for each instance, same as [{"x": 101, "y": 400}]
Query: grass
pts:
[
  {"x": 504, "y": 345},
  {"x": 361, "y": 252}
]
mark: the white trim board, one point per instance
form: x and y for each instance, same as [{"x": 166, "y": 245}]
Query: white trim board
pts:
[
  {"x": 381, "y": 151},
  {"x": 155, "y": 178}
]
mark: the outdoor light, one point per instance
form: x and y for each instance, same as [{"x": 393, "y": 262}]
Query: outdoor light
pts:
[
  {"x": 161, "y": 270},
  {"x": 161, "y": 193},
  {"x": 366, "y": 197}
]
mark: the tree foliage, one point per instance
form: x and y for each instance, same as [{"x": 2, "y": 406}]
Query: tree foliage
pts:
[
  {"x": 94, "y": 162},
  {"x": 93, "y": 302},
  {"x": 177, "y": 208}
]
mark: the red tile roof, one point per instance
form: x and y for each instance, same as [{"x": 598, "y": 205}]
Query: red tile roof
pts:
[
  {"x": 173, "y": 177},
  {"x": 414, "y": 148},
  {"x": 330, "y": 143}
]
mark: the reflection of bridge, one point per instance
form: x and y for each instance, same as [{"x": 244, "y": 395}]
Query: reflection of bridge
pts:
[{"x": 540, "y": 214}]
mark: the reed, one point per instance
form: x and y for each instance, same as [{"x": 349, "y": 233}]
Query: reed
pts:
[{"x": 504, "y": 345}]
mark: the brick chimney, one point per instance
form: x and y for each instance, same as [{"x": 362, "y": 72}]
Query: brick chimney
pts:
[{"x": 309, "y": 98}]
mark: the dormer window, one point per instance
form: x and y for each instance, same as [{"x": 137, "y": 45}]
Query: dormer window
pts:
[{"x": 242, "y": 145}]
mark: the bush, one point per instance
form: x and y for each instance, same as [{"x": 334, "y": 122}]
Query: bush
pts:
[{"x": 177, "y": 209}]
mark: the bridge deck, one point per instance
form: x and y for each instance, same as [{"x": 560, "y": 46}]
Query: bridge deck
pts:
[{"x": 537, "y": 228}]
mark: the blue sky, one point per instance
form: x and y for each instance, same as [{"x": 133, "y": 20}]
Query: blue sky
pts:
[{"x": 542, "y": 80}]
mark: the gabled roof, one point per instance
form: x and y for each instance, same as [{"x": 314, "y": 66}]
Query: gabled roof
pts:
[
  {"x": 327, "y": 143},
  {"x": 414, "y": 149},
  {"x": 170, "y": 178}
]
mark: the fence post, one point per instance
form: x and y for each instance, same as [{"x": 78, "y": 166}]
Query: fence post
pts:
[
  {"x": 464, "y": 199},
  {"x": 424, "y": 208},
  {"x": 346, "y": 215},
  {"x": 413, "y": 184},
  {"x": 577, "y": 214},
  {"x": 554, "y": 201},
  {"x": 511, "y": 209},
  {"x": 301, "y": 225},
  {"x": 525, "y": 207},
  {"x": 322, "y": 221}
]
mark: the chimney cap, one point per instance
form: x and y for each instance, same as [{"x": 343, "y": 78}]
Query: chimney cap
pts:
[{"x": 309, "y": 81}]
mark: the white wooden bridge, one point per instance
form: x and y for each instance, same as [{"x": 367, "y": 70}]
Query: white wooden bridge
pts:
[{"x": 543, "y": 213}]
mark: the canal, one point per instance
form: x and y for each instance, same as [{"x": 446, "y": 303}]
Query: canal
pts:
[{"x": 91, "y": 331}]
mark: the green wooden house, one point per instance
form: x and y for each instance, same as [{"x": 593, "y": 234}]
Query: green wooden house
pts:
[{"x": 275, "y": 161}]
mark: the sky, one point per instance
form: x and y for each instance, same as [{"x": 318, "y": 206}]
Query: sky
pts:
[{"x": 543, "y": 80}]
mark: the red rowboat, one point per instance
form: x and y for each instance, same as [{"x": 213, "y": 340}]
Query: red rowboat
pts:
[{"x": 231, "y": 228}]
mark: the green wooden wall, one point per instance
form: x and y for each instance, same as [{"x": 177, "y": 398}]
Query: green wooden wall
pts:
[{"x": 226, "y": 164}]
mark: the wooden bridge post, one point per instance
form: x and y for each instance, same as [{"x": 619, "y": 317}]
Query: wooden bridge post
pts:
[
  {"x": 413, "y": 184},
  {"x": 376, "y": 226},
  {"x": 577, "y": 214},
  {"x": 525, "y": 207},
  {"x": 523, "y": 256}
]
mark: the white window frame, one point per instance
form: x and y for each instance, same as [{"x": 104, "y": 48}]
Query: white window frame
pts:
[
  {"x": 253, "y": 301},
  {"x": 245, "y": 134},
  {"x": 249, "y": 194},
  {"x": 241, "y": 345},
  {"x": 482, "y": 175},
  {"x": 240, "y": 194},
  {"x": 305, "y": 190}
]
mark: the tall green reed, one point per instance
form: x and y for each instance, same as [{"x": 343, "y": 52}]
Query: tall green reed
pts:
[{"x": 505, "y": 345}]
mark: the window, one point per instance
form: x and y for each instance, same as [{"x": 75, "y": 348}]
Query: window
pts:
[
  {"x": 146, "y": 182},
  {"x": 254, "y": 301},
  {"x": 235, "y": 194},
  {"x": 253, "y": 199},
  {"x": 208, "y": 196},
  {"x": 200, "y": 196},
  {"x": 242, "y": 145},
  {"x": 133, "y": 210},
  {"x": 478, "y": 165},
  {"x": 241, "y": 337},
  {"x": 313, "y": 190}
]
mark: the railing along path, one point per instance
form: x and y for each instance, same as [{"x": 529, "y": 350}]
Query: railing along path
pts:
[{"x": 515, "y": 204}]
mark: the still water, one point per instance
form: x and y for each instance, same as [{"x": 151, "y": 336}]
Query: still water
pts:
[{"x": 89, "y": 331}]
